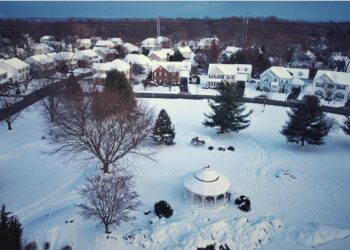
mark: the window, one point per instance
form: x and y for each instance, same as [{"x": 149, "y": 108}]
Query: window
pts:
[
  {"x": 275, "y": 80},
  {"x": 319, "y": 84},
  {"x": 246, "y": 69},
  {"x": 339, "y": 96},
  {"x": 319, "y": 93},
  {"x": 330, "y": 86},
  {"x": 155, "y": 73},
  {"x": 340, "y": 86}
]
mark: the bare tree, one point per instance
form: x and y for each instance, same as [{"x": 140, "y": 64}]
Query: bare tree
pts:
[
  {"x": 104, "y": 126},
  {"x": 7, "y": 109},
  {"x": 51, "y": 99},
  {"x": 109, "y": 199}
]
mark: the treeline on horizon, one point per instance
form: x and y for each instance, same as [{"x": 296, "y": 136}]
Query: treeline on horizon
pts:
[{"x": 275, "y": 34}]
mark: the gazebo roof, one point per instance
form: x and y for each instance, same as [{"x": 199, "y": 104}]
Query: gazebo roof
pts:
[{"x": 206, "y": 182}]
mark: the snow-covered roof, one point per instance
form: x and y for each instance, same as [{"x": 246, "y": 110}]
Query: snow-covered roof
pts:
[
  {"x": 88, "y": 53},
  {"x": 207, "y": 41},
  {"x": 185, "y": 49},
  {"x": 299, "y": 73},
  {"x": 226, "y": 69},
  {"x": 16, "y": 63},
  {"x": 108, "y": 66},
  {"x": 85, "y": 40},
  {"x": 168, "y": 51},
  {"x": 158, "y": 53},
  {"x": 336, "y": 77},
  {"x": 40, "y": 46},
  {"x": 206, "y": 182},
  {"x": 105, "y": 50},
  {"x": 104, "y": 43},
  {"x": 43, "y": 59},
  {"x": 152, "y": 42},
  {"x": 280, "y": 72},
  {"x": 137, "y": 59},
  {"x": 297, "y": 81},
  {"x": 2, "y": 71},
  {"x": 243, "y": 68},
  {"x": 131, "y": 48},
  {"x": 116, "y": 40},
  {"x": 231, "y": 50},
  {"x": 172, "y": 66}
]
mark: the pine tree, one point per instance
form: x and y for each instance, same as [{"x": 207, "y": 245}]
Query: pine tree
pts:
[
  {"x": 116, "y": 81},
  {"x": 10, "y": 231},
  {"x": 228, "y": 111},
  {"x": 307, "y": 123},
  {"x": 177, "y": 57},
  {"x": 346, "y": 126},
  {"x": 163, "y": 131}
]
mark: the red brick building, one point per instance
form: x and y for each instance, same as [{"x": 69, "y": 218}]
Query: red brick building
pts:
[{"x": 162, "y": 76}]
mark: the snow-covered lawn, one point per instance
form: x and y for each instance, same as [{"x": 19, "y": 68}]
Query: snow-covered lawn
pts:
[{"x": 311, "y": 209}]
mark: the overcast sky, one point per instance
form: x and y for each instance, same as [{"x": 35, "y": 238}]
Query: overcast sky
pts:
[{"x": 309, "y": 11}]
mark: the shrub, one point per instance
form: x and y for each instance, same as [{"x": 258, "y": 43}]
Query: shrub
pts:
[
  {"x": 231, "y": 148},
  {"x": 31, "y": 246},
  {"x": 47, "y": 245},
  {"x": 210, "y": 147},
  {"x": 163, "y": 209},
  {"x": 67, "y": 247},
  {"x": 243, "y": 203}
]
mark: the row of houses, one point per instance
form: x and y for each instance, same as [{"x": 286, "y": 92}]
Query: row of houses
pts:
[{"x": 12, "y": 71}]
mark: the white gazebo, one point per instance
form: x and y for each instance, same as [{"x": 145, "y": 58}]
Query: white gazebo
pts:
[{"x": 207, "y": 188}]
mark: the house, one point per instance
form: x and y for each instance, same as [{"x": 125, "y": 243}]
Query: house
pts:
[
  {"x": 87, "y": 57},
  {"x": 332, "y": 85},
  {"x": 158, "y": 55},
  {"x": 206, "y": 42},
  {"x": 65, "y": 57},
  {"x": 186, "y": 52},
  {"x": 106, "y": 53},
  {"x": 228, "y": 72},
  {"x": 279, "y": 79},
  {"x": 95, "y": 39},
  {"x": 130, "y": 48},
  {"x": 4, "y": 80},
  {"x": 138, "y": 59},
  {"x": 41, "y": 64},
  {"x": 42, "y": 48},
  {"x": 104, "y": 44},
  {"x": 47, "y": 39},
  {"x": 170, "y": 73},
  {"x": 154, "y": 43},
  {"x": 116, "y": 41},
  {"x": 84, "y": 43},
  {"x": 100, "y": 70},
  {"x": 17, "y": 69}
]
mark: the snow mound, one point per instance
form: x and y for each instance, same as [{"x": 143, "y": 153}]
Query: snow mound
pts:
[
  {"x": 183, "y": 234},
  {"x": 319, "y": 234}
]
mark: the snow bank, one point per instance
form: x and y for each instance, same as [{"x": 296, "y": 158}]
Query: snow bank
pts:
[
  {"x": 183, "y": 234},
  {"x": 315, "y": 234}
]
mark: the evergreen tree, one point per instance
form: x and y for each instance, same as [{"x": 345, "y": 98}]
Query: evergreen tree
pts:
[
  {"x": 228, "y": 111},
  {"x": 346, "y": 126},
  {"x": 163, "y": 131},
  {"x": 116, "y": 81},
  {"x": 177, "y": 57},
  {"x": 10, "y": 231},
  {"x": 307, "y": 123}
]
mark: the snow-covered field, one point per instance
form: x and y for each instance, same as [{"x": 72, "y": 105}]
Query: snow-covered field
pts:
[{"x": 310, "y": 210}]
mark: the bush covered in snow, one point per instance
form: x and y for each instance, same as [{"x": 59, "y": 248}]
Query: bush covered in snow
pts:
[
  {"x": 67, "y": 247},
  {"x": 31, "y": 246},
  {"x": 243, "y": 203},
  {"x": 163, "y": 209}
]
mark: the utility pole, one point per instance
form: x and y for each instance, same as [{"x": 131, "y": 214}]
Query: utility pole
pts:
[
  {"x": 158, "y": 29},
  {"x": 245, "y": 30}
]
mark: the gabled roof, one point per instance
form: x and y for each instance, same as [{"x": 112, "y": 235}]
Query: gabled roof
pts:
[
  {"x": 298, "y": 72},
  {"x": 158, "y": 53},
  {"x": 88, "y": 52},
  {"x": 226, "y": 69},
  {"x": 2, "y": 71},
  {"x": 336, "y": 77},
  {"x": 130, "y": 47},
  {"x": 104, "y": 43},
  {"x": 116, "y": 40},
  {"x": 168, "y": 51},
  {"x": 185, "y": 49},
  {"x": 16, "y": 63},
  {"x": 172, "y": 66},
  {"x": 116, "y": 64},
  {"x": 43, "y": 59},
  {"x": 137, "y": 59},
  {"x": 280, "y": 72},
  {"x": 231, "y": 50}
]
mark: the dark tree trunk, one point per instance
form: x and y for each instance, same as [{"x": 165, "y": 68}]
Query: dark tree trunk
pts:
[
  {"x": 106, "y": 229},
  {"x": 106, "y": 168},
  {"x": 9, "y": 125}
]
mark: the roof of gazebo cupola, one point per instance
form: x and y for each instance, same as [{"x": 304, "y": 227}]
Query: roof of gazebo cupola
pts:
[{"x": 206, "y": 182}]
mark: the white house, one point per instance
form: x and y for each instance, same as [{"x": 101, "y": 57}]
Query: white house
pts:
[
  {"x": 158, "y": 55},
  {"x": 104, "y": 44},
  {"x": 139, "y": 59},
  {"x": 84, "y": 43},
  {"x": 4, "y": 80},
  {"x": 88, "y": 57},
  {"x": 332, "y": 85},
  {"x": 17, "y": 69},
  {"x": 186, "y": 52},
  {"x": 116, "y": 41},
  {"x": 67, "y": 57},
  {"x": 130, "y": 48},
  {"x": 47, "y": 39},
  {"x": 41, "y": 64},
  {"x": 228, "y": 72},
  {"x": 280, "y": 79},
  {"x": 100, "y": 70}
]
